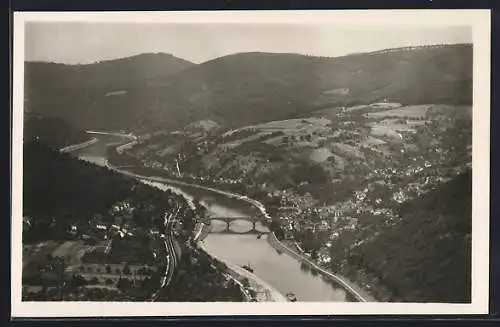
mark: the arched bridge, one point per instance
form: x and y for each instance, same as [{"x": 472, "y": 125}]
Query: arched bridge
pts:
[{"x": 229, "y": 220}]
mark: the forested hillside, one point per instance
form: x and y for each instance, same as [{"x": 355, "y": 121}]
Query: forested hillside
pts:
[
  {"x": 69, "y": 91},
  {"x": 426, "y": 257},
  {"x": 59, "y": 190},
  {"x": 247, "y": 88},
  {"x": 54, "y": 132}
]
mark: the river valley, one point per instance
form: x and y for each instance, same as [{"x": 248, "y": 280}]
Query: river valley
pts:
[{"x": 281, "y": 271}]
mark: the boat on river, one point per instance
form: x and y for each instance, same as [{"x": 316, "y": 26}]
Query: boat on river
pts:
[{"x": 247, "y": 267}]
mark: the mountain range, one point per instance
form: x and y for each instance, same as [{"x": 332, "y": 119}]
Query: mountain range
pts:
[{"x": 160, "y": 91}]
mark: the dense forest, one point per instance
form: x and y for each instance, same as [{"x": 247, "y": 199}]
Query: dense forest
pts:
[
  {"x": 247, "y": 88},
  {"x": 427, "y": 255},
  {"x": 244, "y": 88},
  {"x": 59, "y": 190},
  {"x": 54, "y": 132},
  {"x": 69, "y": 91}
]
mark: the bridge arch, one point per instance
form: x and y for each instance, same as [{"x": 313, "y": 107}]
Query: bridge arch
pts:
[{"x": 229, "y": 220}]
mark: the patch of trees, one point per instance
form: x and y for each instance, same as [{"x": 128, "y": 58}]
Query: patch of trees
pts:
[
  {"x": 309, "y": 172},
  {"x": 59, "y": 190},
  {"x": 310, "y": 241},
  {"x": 131, "y": 251},
  {"x": 275, "y": 227},
  {"x": 199, "y": 279}
]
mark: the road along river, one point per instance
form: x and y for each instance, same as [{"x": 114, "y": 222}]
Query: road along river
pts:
[{"x": 283, "y": 272}]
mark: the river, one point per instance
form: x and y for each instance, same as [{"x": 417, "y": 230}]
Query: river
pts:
[{"x": 279, "y": 270}]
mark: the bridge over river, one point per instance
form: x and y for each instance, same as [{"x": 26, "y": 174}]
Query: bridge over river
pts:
[{"x": 230, "y": 220}]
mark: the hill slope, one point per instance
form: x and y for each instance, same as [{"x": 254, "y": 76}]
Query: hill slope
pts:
[
  {"x": 248, "y": 88},
  {"x": 426, "y": 256},
  {"x": 60, "y": 191},
  {"x": 68, "y": 91},
  {"x": 54, "y": 132}
]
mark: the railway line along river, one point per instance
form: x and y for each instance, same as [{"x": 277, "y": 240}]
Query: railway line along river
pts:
[{"x": 283, "y": 272}]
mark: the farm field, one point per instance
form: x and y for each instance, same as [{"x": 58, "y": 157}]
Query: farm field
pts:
[
  {"x": 417, "y": 111},
  {"x": 375, "y": 106},
  {"x": 34, "y": 253}
]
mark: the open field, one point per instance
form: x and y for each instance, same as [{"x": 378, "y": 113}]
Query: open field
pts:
[
  {"x": 306, "y": 125},
  {"x": 38, "y": 252},
  {"x": 375, "y": 106},
  {"x": 346, "y": 150},
  {"x": 371, "y": 141},
  {"x": 457, "y": 111},
  {"x": 296, "y": 129},
  {"x": 69, "y": 248},
  {"x": 238, "y": 142},
  {"x": 418, "y": 111},
  {"x": 384, "y": 131},
  {"x": 320, "y": 155}
]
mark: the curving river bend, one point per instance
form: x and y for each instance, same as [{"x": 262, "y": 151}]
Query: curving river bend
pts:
[{"x": 279, "y": 270}]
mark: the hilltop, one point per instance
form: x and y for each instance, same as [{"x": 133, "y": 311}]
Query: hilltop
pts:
[
  {"x": 69, "y": 91},
  {"x": 248, "y": 88}
]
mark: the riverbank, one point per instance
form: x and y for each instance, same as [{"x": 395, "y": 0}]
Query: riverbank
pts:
[
  {"x": 353, "y": 290},
  {"x": 79, "y": 146},
  {"x": 356, "y": 292},
  {"x": 350, "y": 288},
  {"x": 269, "y": 293}
]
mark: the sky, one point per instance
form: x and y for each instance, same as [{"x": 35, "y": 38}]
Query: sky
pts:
[{"x": 83, "y": 42}]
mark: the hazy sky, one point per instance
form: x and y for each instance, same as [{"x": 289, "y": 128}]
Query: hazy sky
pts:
[{"x": 89, "y": 42}]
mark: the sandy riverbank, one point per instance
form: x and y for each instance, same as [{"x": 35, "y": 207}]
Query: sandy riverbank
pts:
[
  {"x": 260, "y": 286},
  {"x": 79, "y": 146}
]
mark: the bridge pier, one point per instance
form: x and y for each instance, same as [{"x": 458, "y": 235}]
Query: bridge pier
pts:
[{"x": 229, "y": 220}]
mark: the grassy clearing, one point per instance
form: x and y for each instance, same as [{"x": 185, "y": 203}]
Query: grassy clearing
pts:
[
  {"x": 346, "y": 150},
  {"x": 457, "y": 111},
  {"x": 299, "y": 132},
  {"x": 37, "y": 252},
  {"x": 294, "y": 126},
  {"x": 67, "y": 248},
  {"x": 320, "y": 155},
  {"x": 238, "y": 142},
  {"x": 418, "y": 111},
  {"x": 384, "y": 131},
  {"x": 375, "y": 106},
  {"x": 372, "y": 141}
]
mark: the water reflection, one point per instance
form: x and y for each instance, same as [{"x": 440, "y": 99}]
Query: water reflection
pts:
[{"x": 279, "y": 270}]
